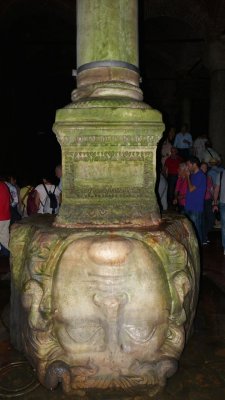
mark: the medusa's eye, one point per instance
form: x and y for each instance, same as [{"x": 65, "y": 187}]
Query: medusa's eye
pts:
[
  {"x": 141, "y": 333},
  {"x": 86, "y": 332}
]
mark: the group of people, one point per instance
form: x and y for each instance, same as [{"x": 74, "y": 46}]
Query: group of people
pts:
[
  {"x": 190, "y": 177},
  {"x": 17, "y": 203}
]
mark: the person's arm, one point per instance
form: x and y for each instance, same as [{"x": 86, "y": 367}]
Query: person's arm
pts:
[
  {"x": 175, "y": 200},
  {"x": 215, "y": 197},
  {"x": 165, "y": 170},
  {"x": 19, "y": 197},
  {"x": 175, "y": 143},
  {"x": 191, "y": 187},
  {"x": 37, "y": 199},
  {"x": 178, "y": 197},
  {"x": 188, "y": 141}
]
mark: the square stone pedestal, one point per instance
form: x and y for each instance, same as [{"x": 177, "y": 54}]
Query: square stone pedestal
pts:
[{"x": 108, "y": 160}]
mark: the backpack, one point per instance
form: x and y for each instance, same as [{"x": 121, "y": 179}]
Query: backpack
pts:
[
  {"x": 51, "y": 201},
  {"x": 31, "y": 206}
]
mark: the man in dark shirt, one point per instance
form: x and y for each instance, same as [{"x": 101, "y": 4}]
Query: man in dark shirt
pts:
[{"x": 195, "y": 194}]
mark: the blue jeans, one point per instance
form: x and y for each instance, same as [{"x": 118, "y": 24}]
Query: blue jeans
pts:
[
  {"x": 196, "y": 217},
  {"x": 222, "y": 219}
]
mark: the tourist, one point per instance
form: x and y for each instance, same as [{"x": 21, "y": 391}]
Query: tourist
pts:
[
  {"x": 42, "y": 197},
  {"x": 195, "y": 195},
  {"x": 167, "y": 145},
  {"x": 181, "y": 188},
  {"x": 170, "y": 170},
  {"x": 199, "y": 146},
  {"x": 210, "y": 155},
  {"x": 183, "y": 142},
  {"x": 219, "y": 203},
  {"x": 15, "y": 198},
  {"x": 162, "y": 153},
  {"x": 5, "y": 216}
]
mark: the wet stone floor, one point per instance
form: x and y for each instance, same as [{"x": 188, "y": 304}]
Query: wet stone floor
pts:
[{"x": 201, "y": 373}]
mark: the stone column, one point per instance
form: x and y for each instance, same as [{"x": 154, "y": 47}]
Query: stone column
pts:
[
  {"x": 100, "y": 38},
  {"x": 216, "y": 64},
  {"x": 107, "y": 48},
  {"x": 108, "y": 135},
  {"x": 100, "y": 298}
]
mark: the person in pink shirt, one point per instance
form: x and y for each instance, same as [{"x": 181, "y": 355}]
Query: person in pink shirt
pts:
[{"x": 181, "y": 188}]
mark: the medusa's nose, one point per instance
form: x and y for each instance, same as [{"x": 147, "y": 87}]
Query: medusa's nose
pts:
[{"x": 111, "y": 306}]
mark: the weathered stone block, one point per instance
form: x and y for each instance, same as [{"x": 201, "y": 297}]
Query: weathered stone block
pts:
[{"x": 108, "y": 157}]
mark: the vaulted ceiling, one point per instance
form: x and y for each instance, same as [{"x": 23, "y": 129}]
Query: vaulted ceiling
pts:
[{"x": 38, "y": 54}]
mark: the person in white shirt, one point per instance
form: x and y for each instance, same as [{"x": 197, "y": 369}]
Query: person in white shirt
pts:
[
  {"x": 41, "y": 196},
  {"x": 183, "y": 142},
  {"x": 210, "y": 156},
  {"x": 14, "y": 199},
  {"x": 199, "y": 146}
]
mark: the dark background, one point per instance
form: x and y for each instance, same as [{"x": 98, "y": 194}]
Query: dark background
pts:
[{"x": 38, "y": 54}]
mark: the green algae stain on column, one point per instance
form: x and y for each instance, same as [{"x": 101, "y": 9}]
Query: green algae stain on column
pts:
[{"x": 107, "y": 30}]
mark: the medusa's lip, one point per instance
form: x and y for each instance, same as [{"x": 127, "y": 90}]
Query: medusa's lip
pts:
[{"x": 117, "y": 274}]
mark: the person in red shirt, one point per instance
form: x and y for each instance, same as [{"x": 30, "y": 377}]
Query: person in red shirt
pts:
[
  {"x": 4, "y": 218},
  {"x": 171, "y": 172}
]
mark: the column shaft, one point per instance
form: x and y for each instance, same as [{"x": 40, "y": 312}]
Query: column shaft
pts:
[
  {"x": 107, "y": 30},
  {"x": 217, "y": 111}
]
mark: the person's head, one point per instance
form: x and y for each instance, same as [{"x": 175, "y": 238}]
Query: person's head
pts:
[
  {"x": 47, "y": 179},
  {"x": 173, "y": 152},
  {"x": 208, "y": 143},
  {"x": 184, "y": 128},
  {"x": 171, "y": 134},
  {"x": 182, "y": 169},
  {"x": 204, "y": 167},
  {"x": 58, "y": 171},
  {"x": 193, "y": 164},
  {"x": 11, "y": 179}
]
